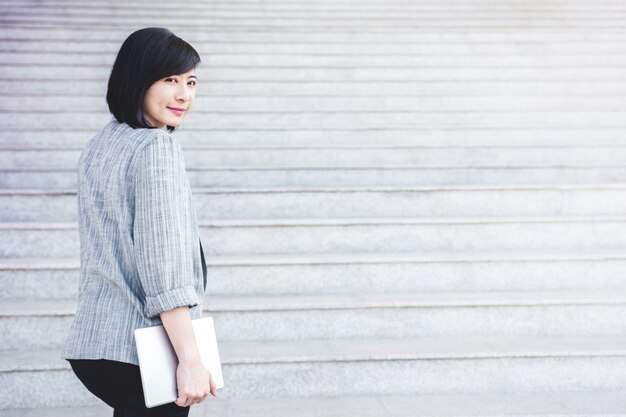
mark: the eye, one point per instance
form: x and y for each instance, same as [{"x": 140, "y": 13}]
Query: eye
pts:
[
  {"x": 192, "y": 82},
  {"x": 170, "y": 79}
]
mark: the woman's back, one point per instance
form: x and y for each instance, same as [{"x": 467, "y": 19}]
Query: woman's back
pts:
[{"x": 132, "y": 181}]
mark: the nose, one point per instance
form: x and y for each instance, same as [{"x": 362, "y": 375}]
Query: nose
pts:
[{"x": 183, "y": 93}]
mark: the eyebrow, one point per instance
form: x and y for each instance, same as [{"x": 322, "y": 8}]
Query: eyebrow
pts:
[{"x": 193, "y": 76}]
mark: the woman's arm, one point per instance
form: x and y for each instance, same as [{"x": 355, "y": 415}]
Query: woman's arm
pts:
[
  {"x": 163, "y": 247},
  {"x": 163, "y": 238},
  {"x": 194, "y": 382}
]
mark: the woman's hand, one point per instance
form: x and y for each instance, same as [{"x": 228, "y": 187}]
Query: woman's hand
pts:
[
  {"x": 193, "y": 380},
  {"x": 194, "y": 383}
]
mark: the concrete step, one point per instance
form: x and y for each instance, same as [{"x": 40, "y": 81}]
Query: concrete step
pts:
[
  {"x": 336, "y": 119},
  {"x": 341, "y": 24},
  {"x": 228, "y": 88},
  {"x": 340, "y": 8},
  {"x": 307, "y": 11},
  {"x": 375, "y": 103},
  {"x": 355, "y": 156},
  {"x": 374, "y": 176},
  {"x": 334, "y": 42},
  {"x": 318, "y": 73},
  {"x": 57, "y": 278},
  {"x": 551, "y": 21},
  {"x": 252, "y": 10},
  {"x": 352, "y": 202},
  {"x": 420, "y": 315},
  {"x": 372, "y": 235},
  {"x": 353, "y": 367},
  {"x": 553, "y": 40},
  {"x": 416, "y": 61},
  {"x": 496, "y": 137},
  {"x": 536, "y": 404}
]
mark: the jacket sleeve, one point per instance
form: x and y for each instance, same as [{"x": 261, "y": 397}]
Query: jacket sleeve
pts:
[{"x": 161, "y": 227}]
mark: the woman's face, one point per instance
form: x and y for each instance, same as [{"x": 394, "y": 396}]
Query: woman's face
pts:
[{"x": 168, "y": 100}]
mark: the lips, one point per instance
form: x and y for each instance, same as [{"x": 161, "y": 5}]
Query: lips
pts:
[{"x": 177, "y": 111}]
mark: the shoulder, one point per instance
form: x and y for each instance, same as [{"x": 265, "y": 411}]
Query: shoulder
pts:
[
  {"x": 155, "y": 139},
  {"x": 157, "y": 149},
  {"x": 139, "y": 138}
]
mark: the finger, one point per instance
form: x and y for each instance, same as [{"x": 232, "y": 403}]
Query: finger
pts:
[
  {"x": 189, "y": 402},
  {"x": 186, "y": 399},
  {"x": 181, "y": 400},
  {"x": 212, "y": 387},
  {"x": 198, "y": 399}
]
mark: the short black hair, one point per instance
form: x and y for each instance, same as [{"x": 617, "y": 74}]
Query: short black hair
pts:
[{"x": 145, "y": 57}]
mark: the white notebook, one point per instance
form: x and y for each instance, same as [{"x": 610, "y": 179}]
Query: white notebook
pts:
[{"x": 158, "y": 361}]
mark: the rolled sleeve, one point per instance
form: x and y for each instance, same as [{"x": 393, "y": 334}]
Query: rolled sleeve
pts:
[
  {"x": 162, "y": 227},
  {"x": 177, "y": 297}
]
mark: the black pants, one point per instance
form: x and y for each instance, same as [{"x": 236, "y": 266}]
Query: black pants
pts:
[{"x": 119, "y": 385}]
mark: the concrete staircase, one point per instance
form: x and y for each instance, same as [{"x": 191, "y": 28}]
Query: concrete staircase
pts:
[{"x": 408, "y": 208}]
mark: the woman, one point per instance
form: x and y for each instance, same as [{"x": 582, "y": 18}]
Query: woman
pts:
[{"x": 141, "y": 261}]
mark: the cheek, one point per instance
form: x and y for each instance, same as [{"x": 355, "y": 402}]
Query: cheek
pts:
[
  {"x": 155, "y": 98},
  {"x": 148, "y": 107},
  {"x": 149, "y": 100},
  {"x": 192, "y": 98}
]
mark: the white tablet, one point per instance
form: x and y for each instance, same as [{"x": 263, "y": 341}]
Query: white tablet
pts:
[{"x": 158, "y": 361}]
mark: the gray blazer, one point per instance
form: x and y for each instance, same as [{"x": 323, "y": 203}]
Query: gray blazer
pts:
[{"x": 140, "y": 251}]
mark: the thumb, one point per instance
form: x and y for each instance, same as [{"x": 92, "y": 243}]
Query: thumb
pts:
[{"x": 212, "y": 386}]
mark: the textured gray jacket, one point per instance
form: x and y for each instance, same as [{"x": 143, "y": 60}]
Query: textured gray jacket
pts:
[{"x": 140, "y": 251}]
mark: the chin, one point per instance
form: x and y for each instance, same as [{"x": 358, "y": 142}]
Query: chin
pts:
[{"x": 174, "y": 123}]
